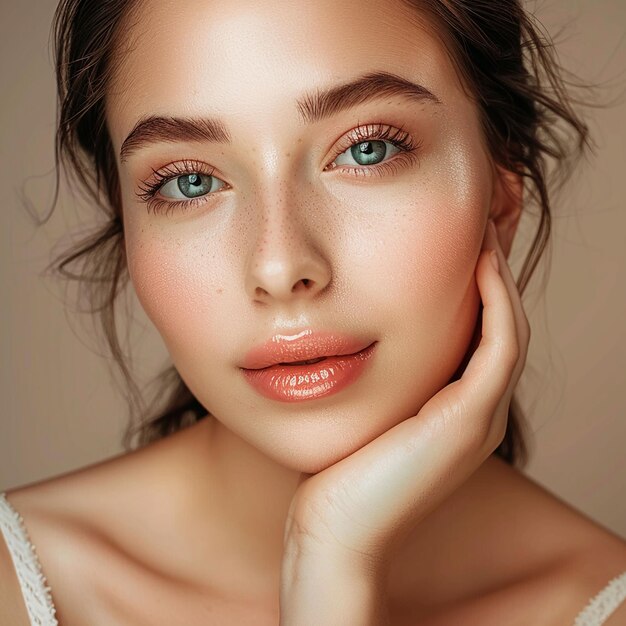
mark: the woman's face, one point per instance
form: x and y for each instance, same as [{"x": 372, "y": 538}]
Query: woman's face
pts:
[{"x": 387, "y": 239}]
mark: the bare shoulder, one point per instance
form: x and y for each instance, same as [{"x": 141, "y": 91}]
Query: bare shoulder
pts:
[
  {"x": 46, "y": 513},
  {"x": 95, "y": 529},
  {"x": 578, "y": 556},
  {"x": 592, "y": 571},
  {"x": 50, "y": 510},
  {"x": 12, "y": 607},
  {"x": 44, "y": 507},
  {"x": 554, "y": 596},
  {"x": 73, "y": 521},
  {"x": 557, "y": 594},
  {"x": 504, "y": 549},
  {"x": 91, "y": 495}
]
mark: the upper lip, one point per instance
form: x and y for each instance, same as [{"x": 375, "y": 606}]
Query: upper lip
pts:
[{"x": 307, "y": 344}]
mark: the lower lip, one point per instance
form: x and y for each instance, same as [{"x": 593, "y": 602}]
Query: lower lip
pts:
[{"x": 295, "y": 383}]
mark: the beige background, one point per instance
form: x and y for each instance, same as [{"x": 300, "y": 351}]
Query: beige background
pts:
[{"x": 60, "y": 410}]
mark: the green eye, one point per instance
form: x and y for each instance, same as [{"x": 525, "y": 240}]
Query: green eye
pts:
[
  {"x": 369, "y": 152},
  {"x": 190, "y": 186}
]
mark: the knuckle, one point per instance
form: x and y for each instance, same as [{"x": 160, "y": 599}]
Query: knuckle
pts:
[
  {"x": 492, "y": 435},
  {"x": 512, "y": 352},
  {"x": 526, "y": 330},
  {"x": 478, "y": 437},
  {"x": 497, "y": 434},
  {"x": 508, "y": 353}
]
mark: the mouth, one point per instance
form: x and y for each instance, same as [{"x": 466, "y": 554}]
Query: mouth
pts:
[
  {"x": 309, "y": 362},
  {"x": 306, "y": 348},
  {"x": 308, "y": 379},
  {"x": 330, "y": 358}
]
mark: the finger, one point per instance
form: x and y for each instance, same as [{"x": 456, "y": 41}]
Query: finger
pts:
[
  {"x": 458, "y": 419},
  {"x": 413, "y": 466},
  {"x": 521, "y": 320},
  {"x": 488, "y": 373}
]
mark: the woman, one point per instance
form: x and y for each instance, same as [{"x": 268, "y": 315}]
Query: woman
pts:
[{"x": 335, "y": 185}]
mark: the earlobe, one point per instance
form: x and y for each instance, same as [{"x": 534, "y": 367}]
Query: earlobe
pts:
[{"x": 506, "y": 205}]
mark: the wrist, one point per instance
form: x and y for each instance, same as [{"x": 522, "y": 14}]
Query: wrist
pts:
[{"x": 326, "y": 588}]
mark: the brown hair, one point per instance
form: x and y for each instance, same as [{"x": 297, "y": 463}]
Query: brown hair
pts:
[{"x": 506, "y": 61}]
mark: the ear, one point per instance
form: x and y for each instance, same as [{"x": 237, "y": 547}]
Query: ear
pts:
[{"x": 506, "y": 205}]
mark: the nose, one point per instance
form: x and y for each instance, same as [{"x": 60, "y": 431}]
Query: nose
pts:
[{"x": 286, "y": 262}]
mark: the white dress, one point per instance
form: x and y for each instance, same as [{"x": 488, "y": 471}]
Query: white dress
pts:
[{"x": 40, "y": 607}]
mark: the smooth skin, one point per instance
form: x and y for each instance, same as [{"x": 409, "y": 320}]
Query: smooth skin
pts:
[
  {"x": 383, "y": 503},
  {"x": 395, "y": 481}
]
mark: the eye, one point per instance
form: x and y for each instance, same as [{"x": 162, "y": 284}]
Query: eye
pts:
[
  {"x": 370, "y": 148},
  {"x": 193, "y": 185},
  {"x": 367, "y": 153},
  {"x": 181, "y": 185}
]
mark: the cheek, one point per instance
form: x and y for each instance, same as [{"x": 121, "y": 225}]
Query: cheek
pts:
[
  {"x": 440, "y": 292},
  {"x": 451, "y": 204},
  {"x": 420, "y": 258},
  {"x": 440, "y": 254},
  {"x": 171, "y": 281},
  {"x": 421, "y": 277},
  {"x": 424, "y": 236}
]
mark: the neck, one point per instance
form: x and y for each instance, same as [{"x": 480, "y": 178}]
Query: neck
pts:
[{"x": 236, "y": 503}]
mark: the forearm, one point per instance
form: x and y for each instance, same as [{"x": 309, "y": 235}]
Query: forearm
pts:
[{"x": 322, "y": 590}]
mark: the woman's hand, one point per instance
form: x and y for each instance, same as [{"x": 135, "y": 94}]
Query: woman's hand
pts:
[{"x": 351, "y": 515}]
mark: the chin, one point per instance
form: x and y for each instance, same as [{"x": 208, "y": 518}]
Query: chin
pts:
[{"x": 312, "y": 442}]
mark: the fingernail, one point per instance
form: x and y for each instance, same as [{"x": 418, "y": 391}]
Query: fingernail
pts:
[{"x": 494, "y": 260}]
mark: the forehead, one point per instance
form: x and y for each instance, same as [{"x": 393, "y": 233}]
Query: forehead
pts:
[{"x": 250, "y": 58}]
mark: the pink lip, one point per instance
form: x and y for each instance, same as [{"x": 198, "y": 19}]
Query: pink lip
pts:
[
  {"x": 306, "y": 345},
  {"x": 346, "y": 359}
]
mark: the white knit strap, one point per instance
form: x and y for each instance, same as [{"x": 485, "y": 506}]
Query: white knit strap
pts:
[
  {"x": 602, "y": 605},
  {"x": 37, "y": 595}
]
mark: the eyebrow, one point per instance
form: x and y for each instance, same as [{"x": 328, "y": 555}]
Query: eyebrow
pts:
[{"x": 314, "y": 106}]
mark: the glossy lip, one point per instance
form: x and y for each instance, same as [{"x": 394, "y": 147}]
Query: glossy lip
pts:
[
  {"x": 308, "y": 344},
  {"x": 298, "y": 383}
]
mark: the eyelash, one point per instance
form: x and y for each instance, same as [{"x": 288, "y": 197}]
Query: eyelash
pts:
[{"x": 409, "y": 151}]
